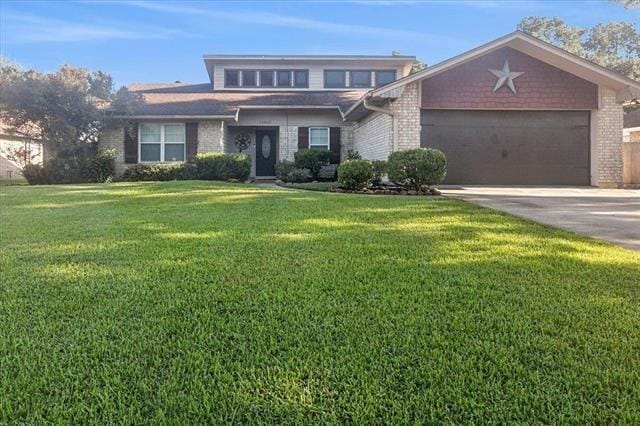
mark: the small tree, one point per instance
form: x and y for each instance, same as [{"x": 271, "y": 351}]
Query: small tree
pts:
[{"x": 66, "y": 110}]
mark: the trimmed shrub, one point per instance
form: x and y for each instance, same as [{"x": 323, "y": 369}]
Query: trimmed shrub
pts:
[
  {"x": 417, "y": 167},
  {"x": 287, "y": 171},
  {"x": 379, "y": 171},
  {"x": 283, "y": 168},
  {"x": 34, "y": 174},
  {"x": 355, "y": 174},
  {"x": 298, "y": 175},
  {"x": 312, "y": 159},
  {"x": 220, "y": 166},
  {"x": 156, "y": 172},
  {"x": 101, "y": 167}
]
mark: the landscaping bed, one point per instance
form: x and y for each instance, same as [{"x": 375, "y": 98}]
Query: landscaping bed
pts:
[{"x": 388, "y": 189}]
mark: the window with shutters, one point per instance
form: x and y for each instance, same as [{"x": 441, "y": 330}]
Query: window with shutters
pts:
[
  {"x": 319, "y": 138},
  {"x": 161, "y": 142}
]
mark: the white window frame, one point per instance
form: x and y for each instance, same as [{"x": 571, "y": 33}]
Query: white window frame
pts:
[
  {"x": 328, "y": 137},
  {"x": 162, "y": 143}
]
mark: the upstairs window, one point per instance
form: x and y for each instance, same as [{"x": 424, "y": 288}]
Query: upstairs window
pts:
[
  {"x": 335, "y": 79},
  {"x": 249, "y": 78},
  {"x": 385, "y": 77},
  {"x": 319, "y": 138},
  {"x": 360, "y": 79},
  {"x": 301, "y": 78},
  {"x": 266, "y": 78},
  {"x": 284, "y": 78},
  {"x": 161, "y": 142},
  {"x": 231, "y": 78}
]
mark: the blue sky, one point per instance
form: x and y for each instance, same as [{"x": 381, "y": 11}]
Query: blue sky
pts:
[{"x": 165, "y": 41}]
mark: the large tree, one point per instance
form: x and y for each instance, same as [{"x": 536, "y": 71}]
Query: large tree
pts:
[
  {"x": 615, "y": 45},
  {"x": 64, "y": 109}
]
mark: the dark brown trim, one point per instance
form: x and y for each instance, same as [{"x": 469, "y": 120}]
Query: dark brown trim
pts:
[
  {"x": 131, "y": 143},
  {"x": 191, "y": 140},
  {"x": 334, "y": 144},
  {"x": 303, "y": 137}
]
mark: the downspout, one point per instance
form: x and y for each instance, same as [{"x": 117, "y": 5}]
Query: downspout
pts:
[{"x": 394, "y": 130}]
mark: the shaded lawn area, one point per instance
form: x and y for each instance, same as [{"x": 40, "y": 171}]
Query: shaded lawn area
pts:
[{"x": 192, "y": 301}]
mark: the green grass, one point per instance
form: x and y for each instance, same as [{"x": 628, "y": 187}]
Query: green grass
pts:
[
  {"x": 13, "y": 182},
  {"x": 188, "y": 302},
  {"x": 312, "y": 186}
]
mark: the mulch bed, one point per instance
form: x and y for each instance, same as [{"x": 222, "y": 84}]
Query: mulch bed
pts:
[{"x": 388, "y": 190}]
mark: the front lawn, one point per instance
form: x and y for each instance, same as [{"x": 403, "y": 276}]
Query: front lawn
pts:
[{"x": 187, "y": 302}]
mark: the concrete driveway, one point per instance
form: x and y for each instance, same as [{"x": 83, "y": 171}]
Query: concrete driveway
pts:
[{"x": 608, "y": 214}]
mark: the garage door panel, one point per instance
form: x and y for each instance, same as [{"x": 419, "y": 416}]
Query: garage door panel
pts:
[{"x": 511, "y": 147}]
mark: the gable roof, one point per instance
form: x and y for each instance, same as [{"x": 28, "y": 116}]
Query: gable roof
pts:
[
  {"x": 627, "y": 88},
  {"x": 162, "y": 100}
]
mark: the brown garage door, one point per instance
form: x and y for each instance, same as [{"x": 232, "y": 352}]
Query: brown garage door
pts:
[{"x": 511, "y": 147}]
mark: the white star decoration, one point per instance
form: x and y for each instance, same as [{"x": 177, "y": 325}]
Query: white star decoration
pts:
[{"x": 505, "y": 75}]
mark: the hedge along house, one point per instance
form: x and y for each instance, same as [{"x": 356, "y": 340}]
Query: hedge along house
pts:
[{"x": 514, "y": 111}]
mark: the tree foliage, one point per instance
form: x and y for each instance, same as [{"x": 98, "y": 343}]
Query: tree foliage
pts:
[
  {"x": 65, "y": 109},
  {"x": 614, "y": 45}
]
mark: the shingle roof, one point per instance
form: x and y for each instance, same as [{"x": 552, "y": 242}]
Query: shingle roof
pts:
[{"x": 200, "y": 99}]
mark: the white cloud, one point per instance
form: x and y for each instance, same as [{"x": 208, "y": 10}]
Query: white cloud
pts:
[
  {"x": 287, "y": 21},
  {"x": 27, "y": 28}
]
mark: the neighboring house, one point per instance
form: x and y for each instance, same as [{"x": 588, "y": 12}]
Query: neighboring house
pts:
[
  {"x": 514, "y": 111},
  {"x": 631, "y": 124},
  {"x": 13, "y": 143}
]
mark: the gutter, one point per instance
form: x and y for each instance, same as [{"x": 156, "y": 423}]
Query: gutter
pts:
[{"x": 367, "y": 105}]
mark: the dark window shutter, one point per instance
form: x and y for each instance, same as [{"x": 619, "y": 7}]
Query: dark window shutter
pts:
[
  {"x": 334, "y": 144},
  {"x": 131, "y": 143},
  {"x": 191, "y": 139},
  {"x": 303, "y": 137}
]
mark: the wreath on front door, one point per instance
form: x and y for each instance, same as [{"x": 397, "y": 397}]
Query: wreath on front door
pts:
[{"x": 242, "y": 141}]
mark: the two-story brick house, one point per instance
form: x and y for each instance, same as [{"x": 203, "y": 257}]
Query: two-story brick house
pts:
[{"x": 514, "y": 111}]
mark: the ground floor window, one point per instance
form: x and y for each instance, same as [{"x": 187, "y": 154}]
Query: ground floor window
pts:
[
  {"x": 319, "y": 138},
  {"x": 162, "y": 142}
]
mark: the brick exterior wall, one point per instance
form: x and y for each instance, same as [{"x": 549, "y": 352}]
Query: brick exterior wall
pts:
[
  {"x": 406, "y": 112},
  {"x": 373, "y": 136},
  {"x": 113, "y": 138},
  {"x": 211, "y": 136},
  {"x": 346, "y": 140},
  {"x": 288, "y": 142},
  {"x": 606, "y": 141},
  {"x": 542, "y": 86}
]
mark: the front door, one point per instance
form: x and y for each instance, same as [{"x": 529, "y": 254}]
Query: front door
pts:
[{"x": 266, "y": 142}]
